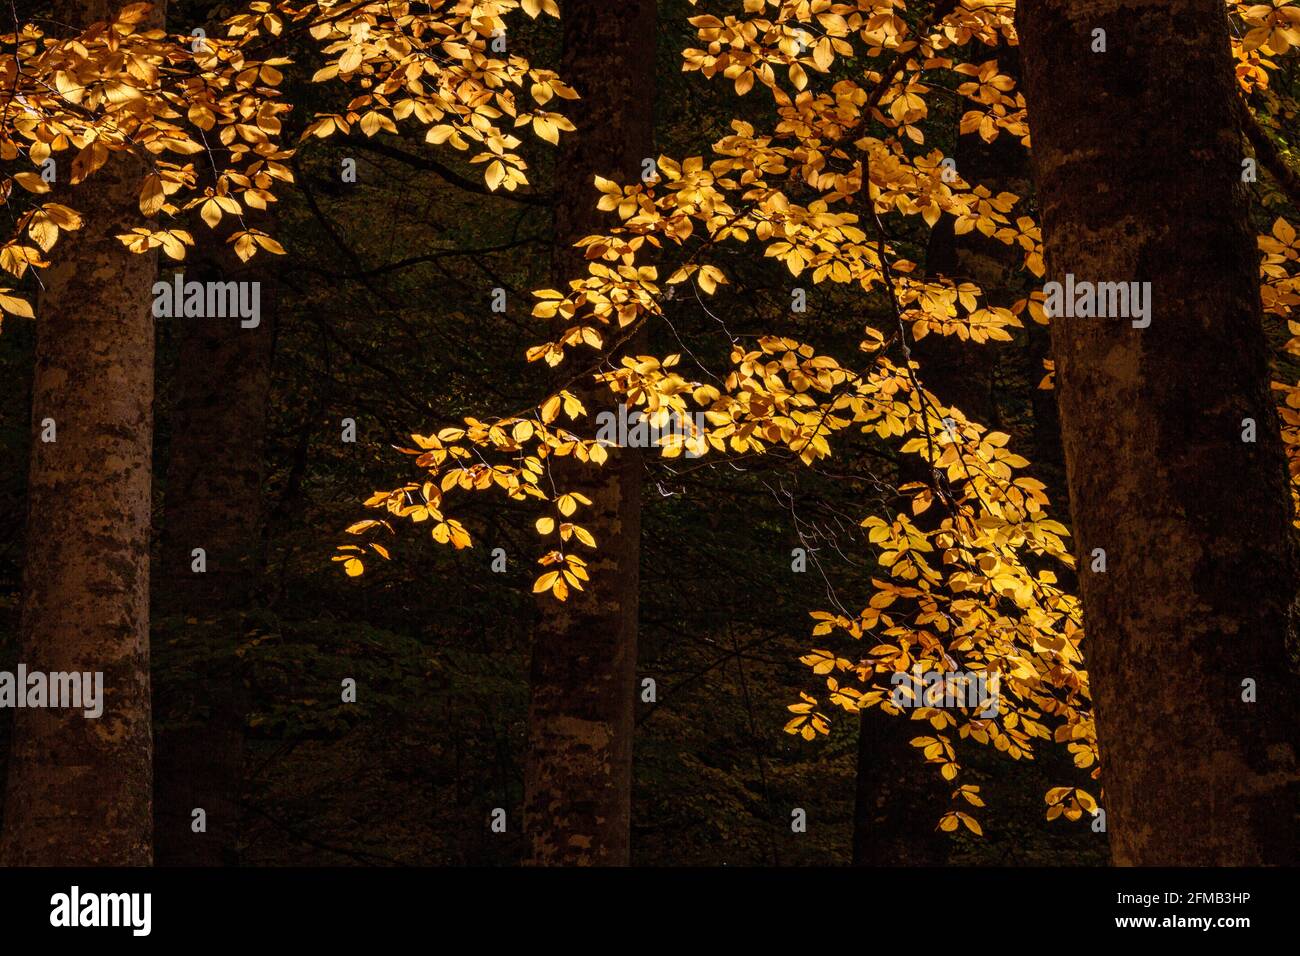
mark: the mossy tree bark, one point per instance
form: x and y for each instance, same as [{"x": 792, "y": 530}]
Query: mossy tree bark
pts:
[
  {"x": 79, "y": 789},
  {"x": 1137, "y": 160}
]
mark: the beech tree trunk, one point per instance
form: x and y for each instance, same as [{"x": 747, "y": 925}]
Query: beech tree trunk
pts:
[
  {"x": 213, "y": 501},
  {"x": 78, "y": 789},
  {"x": 1137, "y": 160},
  {"x": 578, "y": 768}
]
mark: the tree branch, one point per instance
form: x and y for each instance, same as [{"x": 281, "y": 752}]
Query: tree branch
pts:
[
  {"x": 1267, "y": 153},
  {"x": 450, "y": 175}
]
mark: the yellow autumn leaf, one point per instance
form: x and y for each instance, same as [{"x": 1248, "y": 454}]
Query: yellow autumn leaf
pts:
[
  {"x": 152, "y": 196},
  {"x": 15, "y": 306}
]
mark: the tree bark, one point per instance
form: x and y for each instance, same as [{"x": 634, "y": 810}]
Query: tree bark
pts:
[
  {"x": 78, "y": 789},
  {"x": 1137, "y": 159},
  {"x": 578, "y": 769}
]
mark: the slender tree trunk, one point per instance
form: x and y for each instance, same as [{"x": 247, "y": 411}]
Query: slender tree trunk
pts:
[
  {"x": 213, "y": 501},
  {"x": 898, "y": 799},
  {"x": 1138, "y": 164},
  {"x": 578, "y": 770},
  {"x": 960, "y": 372},
  {"x": 78, "y": 790},
  {"x": 214, "y": 471}
]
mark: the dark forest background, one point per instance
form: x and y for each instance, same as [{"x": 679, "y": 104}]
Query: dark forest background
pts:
[{"x": 381, "y": 314}]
